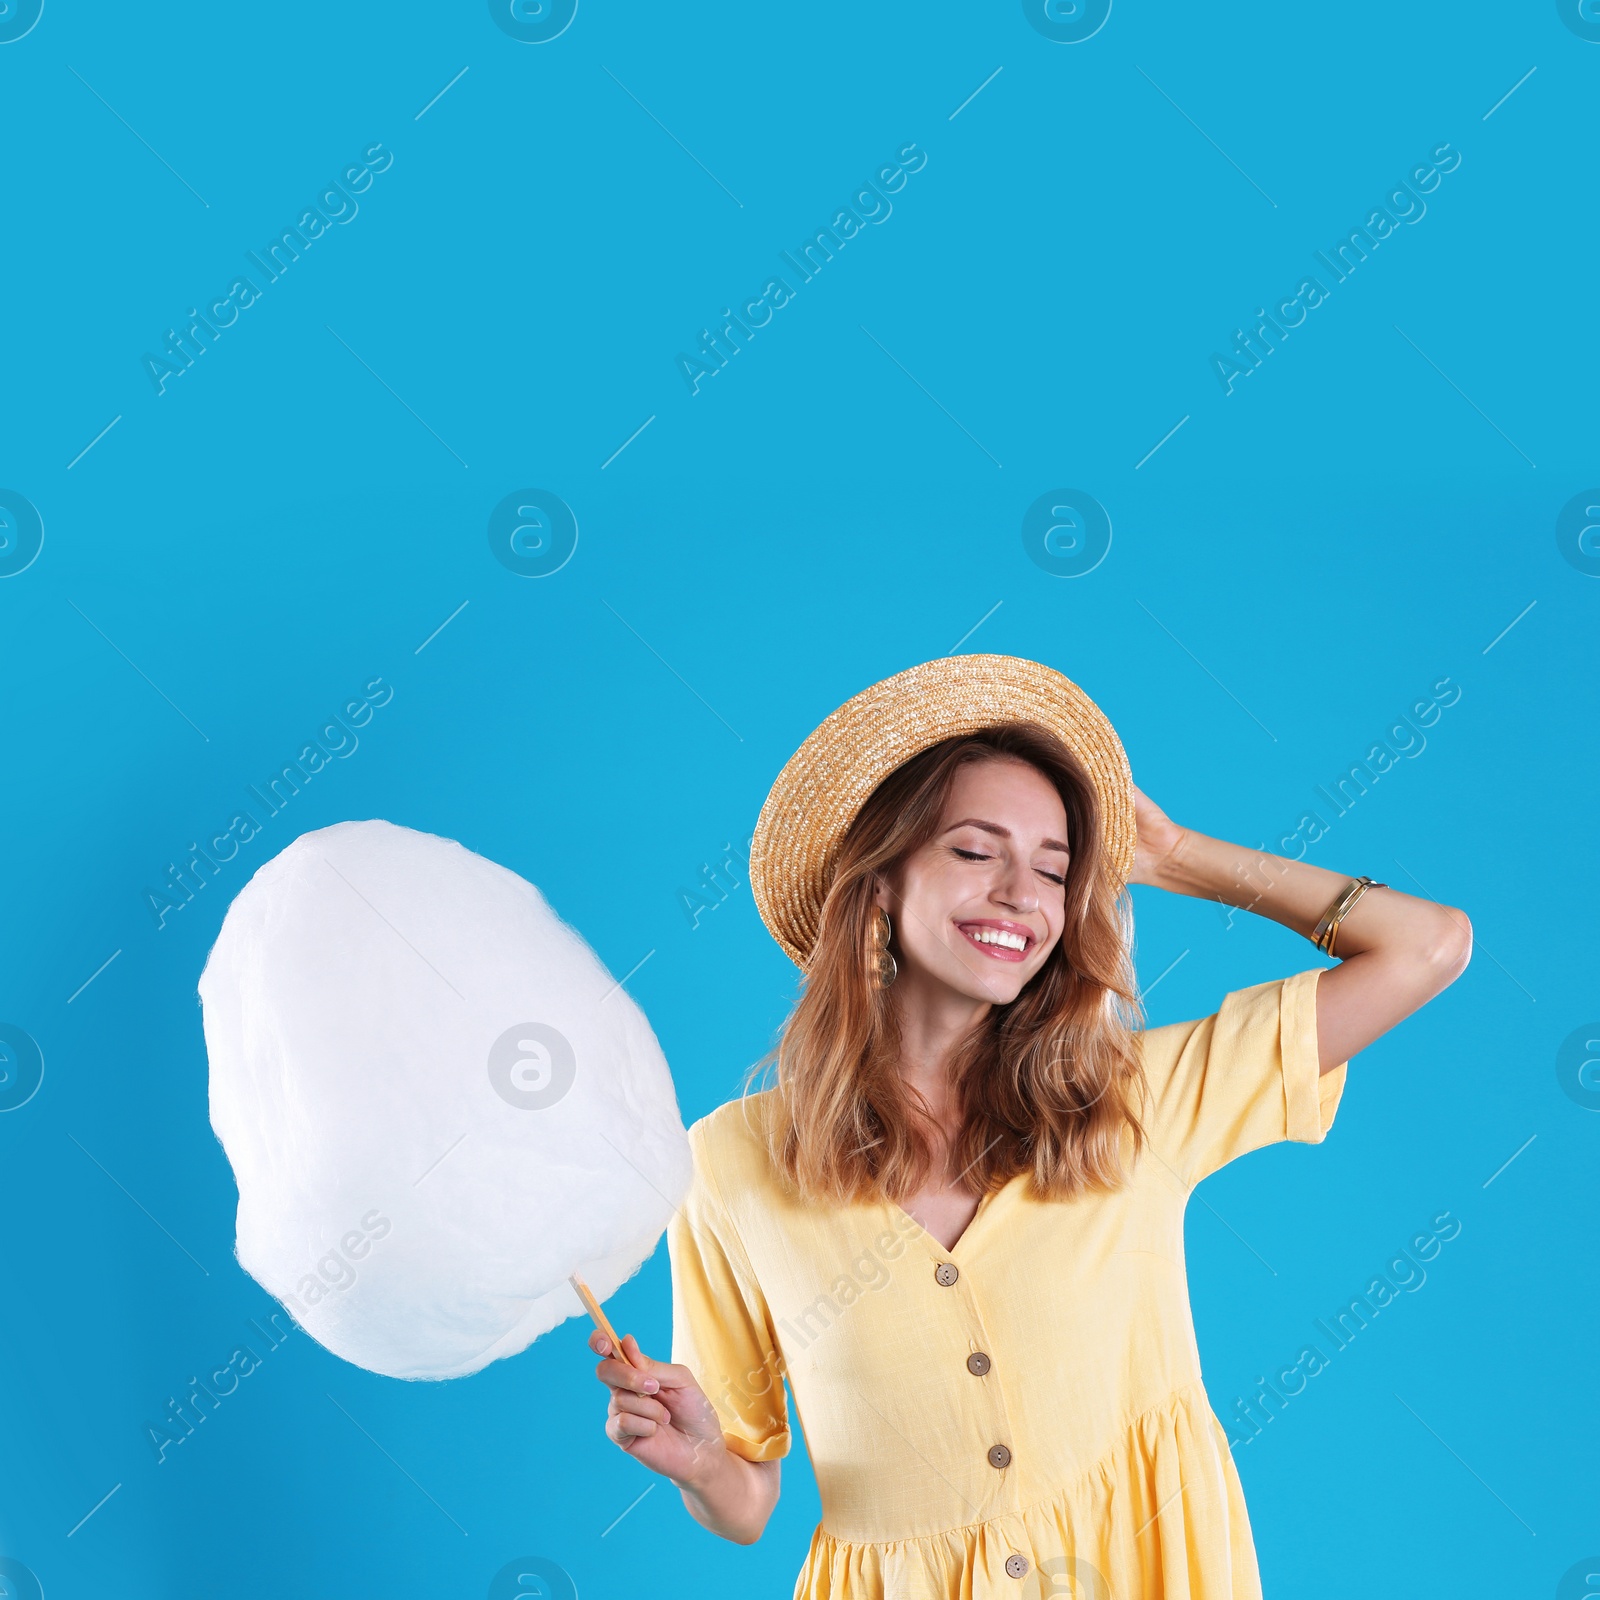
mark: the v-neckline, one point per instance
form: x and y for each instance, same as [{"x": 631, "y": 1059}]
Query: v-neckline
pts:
[{"x": 936, "y": 1246}]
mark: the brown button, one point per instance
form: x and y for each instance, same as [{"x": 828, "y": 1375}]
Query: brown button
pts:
[
  {"x": 946, "y": 1273},
  {"x": 999, "y": 1456},
  {"x": 1016, "y": 1566},
  {"x": 977, "y": 1363}
]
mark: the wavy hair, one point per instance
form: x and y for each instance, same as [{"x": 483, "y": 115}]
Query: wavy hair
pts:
[{"x": 1048, "y": 1085}]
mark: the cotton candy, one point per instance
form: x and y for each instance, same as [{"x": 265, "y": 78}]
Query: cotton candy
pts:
[{"x": 436, "y": 1101}]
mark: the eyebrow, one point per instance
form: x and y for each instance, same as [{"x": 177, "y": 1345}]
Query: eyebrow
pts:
[{"x": 1004, "y": 833}]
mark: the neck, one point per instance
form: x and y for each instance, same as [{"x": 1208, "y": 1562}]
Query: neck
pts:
[{"x": 933, "y": 1020}]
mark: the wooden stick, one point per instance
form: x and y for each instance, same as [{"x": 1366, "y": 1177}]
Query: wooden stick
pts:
[{"x": 598, "y": 1316}]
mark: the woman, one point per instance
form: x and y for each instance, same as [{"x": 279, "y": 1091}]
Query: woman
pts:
[{"x": 955, "y": 1223}]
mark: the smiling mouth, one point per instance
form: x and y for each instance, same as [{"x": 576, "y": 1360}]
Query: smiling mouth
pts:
[{"x": 998, "y": 943}]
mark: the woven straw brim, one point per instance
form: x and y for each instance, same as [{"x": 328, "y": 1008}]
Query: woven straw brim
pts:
[{"x": 830, "y": 777}]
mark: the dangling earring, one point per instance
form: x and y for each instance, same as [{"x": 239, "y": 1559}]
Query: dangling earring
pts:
[{"x": 883, "y": 965}]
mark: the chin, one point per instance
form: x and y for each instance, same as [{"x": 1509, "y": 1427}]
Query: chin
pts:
[{"x": 1000, "y": 989}]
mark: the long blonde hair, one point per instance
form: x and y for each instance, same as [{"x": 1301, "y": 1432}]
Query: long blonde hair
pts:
[{"x": 1047, "y": 1085}]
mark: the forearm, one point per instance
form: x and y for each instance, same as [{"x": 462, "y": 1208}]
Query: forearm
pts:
[
  {"x": 1296, "y": 894},
  {"x": 1395, "y": 951},
  {"x": 731, "y": 1496}
]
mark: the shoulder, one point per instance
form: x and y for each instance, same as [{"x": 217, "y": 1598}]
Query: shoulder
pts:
[
  {"x": 1218, "y": 1066},
  {"x": 1161, "y": 1049},
  {"x": 736, "y": 1195},
  {"x": 1245, "y": 1017},
  {"x": 729, "y": 1146},
  {"x": 740, "y": 1122}
]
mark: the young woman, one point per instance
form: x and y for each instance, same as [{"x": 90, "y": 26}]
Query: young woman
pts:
[{"x": 955, "y": 1223}]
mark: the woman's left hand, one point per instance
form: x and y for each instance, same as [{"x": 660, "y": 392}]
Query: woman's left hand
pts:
[
  {"x": 1159, "y": 837},
  {"x": 1395, "y": 952}
]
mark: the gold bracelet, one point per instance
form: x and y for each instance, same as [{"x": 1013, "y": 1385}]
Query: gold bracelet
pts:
[{"x": 1328, "y": 924}]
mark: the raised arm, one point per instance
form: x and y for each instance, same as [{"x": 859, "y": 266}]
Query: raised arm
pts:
[{"x": 1395, "y": 952}]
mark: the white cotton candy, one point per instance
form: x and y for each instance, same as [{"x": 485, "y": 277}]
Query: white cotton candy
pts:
[{"x": 437, "y": 1102}]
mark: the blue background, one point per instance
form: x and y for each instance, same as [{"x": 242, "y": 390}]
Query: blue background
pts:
[{"x": 301, "y": 510}]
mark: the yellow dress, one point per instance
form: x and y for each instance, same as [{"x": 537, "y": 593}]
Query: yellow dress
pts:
[{"x": 1022, "y": 1415}]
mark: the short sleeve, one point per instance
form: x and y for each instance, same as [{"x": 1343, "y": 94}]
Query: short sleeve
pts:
[
  {"x": 721, "y": 1327},
  {"x": 1246, "y": 1077}
]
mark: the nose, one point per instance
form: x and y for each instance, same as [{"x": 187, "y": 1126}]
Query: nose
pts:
[{"x": 1016, "y": 890}]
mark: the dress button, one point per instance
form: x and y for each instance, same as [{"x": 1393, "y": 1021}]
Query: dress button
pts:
[
  {"x": 977, "y": 1363},
  {"x": 999, "y": 1456},
  {"x": 1016, "y": 1566},
  {"x": 946, "y": 1273}
]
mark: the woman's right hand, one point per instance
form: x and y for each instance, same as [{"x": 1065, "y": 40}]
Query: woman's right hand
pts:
[{"x": 658, "y": 1413}]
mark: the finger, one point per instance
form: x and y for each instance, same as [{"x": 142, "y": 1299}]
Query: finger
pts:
[
  {"x": 599, "y": 1343},
  {"x": 623, "y": 1429},
  {"x": 621, "y": 1375},
  {"x": 669, "y": 1373},
  {"x": 638, "y": 1405}
]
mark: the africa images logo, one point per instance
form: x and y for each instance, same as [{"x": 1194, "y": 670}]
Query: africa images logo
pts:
[
  {"x": 1403, "y": 203},
  {"x": 869, "y": 203},
  {"x": 335, "y": 204}
]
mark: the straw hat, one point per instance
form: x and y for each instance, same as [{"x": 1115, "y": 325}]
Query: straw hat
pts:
[{"x": 830, "y": 777}]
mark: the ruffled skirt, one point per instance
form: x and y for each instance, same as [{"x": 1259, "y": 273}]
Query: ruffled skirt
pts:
[{"x": 1161, "y": 1517}]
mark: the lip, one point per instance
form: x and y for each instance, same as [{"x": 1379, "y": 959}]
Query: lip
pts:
[{"x": 996, "y": 952}]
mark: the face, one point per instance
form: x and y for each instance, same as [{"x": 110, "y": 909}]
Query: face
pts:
[{"x": 979, "y": 907}]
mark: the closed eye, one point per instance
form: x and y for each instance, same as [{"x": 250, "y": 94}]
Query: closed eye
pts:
[{"x": 977, "y": 855}]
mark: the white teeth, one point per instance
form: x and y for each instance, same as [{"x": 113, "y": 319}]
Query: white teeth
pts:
[{"x": 1009, "y": 941}]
